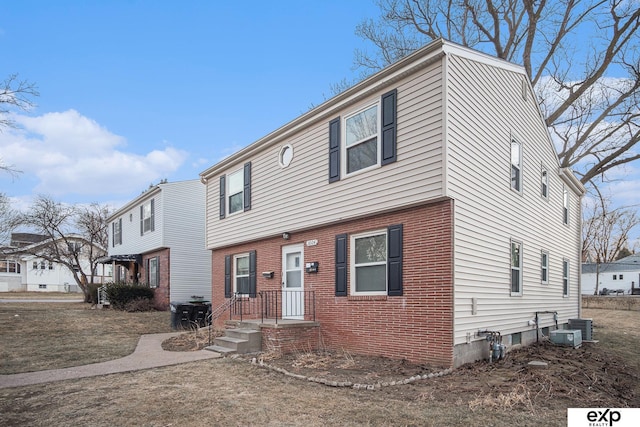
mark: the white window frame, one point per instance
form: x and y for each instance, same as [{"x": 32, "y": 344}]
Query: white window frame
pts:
[
  {"x": 377, "y": 136},
  {"x": 565, "y": 205},
  {"x": 153, "y": 275},
  {"x": 544, "y": 183},
  {"x": 241, "y": 192},
  {"x": 565, "y": 277},
  {"x": 544, "y": 267},
  {"x": 147, "y": 215},
  {"x": 117, "y": 232},
  {"x": 514, "y": 142},
  {"x": 237, "y": 276},
  {"x": 517, "y": 268},
  {"x": 354, "y": 266}
]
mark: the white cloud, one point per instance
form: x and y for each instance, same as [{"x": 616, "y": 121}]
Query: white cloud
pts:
[{"x": 69, "y": 153}]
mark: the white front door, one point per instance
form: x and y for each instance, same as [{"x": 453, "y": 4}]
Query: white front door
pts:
[{"x": 292, "y": 282}]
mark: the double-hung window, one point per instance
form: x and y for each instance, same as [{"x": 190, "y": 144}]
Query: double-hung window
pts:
[
  {"x": 236, "y": 191},
  {"x": 516, "y": 268},
  {"x": 153, "y": 272},
  {"x": 369, "y": 266},
  {"x": 241, "y": 274},
  {"x": 544, "y": 267},
  {"x": 365, "y": 138},
  {"x": 544, "y": 184},
  {"x": 565, "y": 205},
  {"x": 516, "y": 165},
  {"x": 147, "y": 217},
  {"x": 361, "y": 139},
  {"x": 565, "y": 277},
  {"x": 116, "y": 232}
]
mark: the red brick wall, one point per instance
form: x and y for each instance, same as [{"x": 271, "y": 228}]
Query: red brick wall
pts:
[
  {"x": 288, "y": 340},
  {"x": 417, "y": 326},
  {"x": 161, "y": 298}
]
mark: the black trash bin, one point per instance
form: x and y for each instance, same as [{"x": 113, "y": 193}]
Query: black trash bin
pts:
[
  {"x": 181, "y": 313},
  {"x": 199, "y": 314}
]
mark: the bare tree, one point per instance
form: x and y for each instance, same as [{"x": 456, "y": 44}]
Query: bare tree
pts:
[
  {"x": 605, "y": 232},
  {"x": 74, "y": 234},
  {"x": 5, "y": 220},
  {"x": 594, "y": 117},
  {"x": 15, "y": 94}
]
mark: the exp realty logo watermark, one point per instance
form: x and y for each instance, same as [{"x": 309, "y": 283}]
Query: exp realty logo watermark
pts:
[{"x": 603, "y": 417}]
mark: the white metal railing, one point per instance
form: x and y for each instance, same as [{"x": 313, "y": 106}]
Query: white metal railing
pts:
[{"x": 102, "y": 295}]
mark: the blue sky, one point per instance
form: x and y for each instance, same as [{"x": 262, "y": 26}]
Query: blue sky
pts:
[{"x": 135, "y": 91}]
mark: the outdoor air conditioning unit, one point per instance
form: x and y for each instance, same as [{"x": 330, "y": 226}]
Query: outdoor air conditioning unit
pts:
[
  {"x": 585, "y": 326},
  {"x": 569, "y": 337}
]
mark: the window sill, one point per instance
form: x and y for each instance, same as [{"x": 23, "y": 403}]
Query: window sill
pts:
[{"x": 367, "y": 297}]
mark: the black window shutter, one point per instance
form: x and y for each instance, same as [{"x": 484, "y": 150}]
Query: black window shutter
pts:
[
  {"x": 394, "y": 260},
  {"x": 113, "y": 234},
  {"x": 389, "y": 120},
  {"x": 223, "y": 187},
  {"x": 247, "y": 186},
  {"x": 227, "y": 276},
  {"x": 252, "y": 274},
  {"x": 334, "y": 150},
  {"x": 120, "y": 231},
  {"x": 341, "y": 265},
  {"x": 141, "y": 220},
  {"x": 153, "y": 214}
]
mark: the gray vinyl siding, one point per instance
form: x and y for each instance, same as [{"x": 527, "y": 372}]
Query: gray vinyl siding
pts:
[
  {"x": 179, "y": 216},
  {"x": 300, "y": 197},
  {"x": 184, "y": 234},
  {"x": 488, "y": 213}
]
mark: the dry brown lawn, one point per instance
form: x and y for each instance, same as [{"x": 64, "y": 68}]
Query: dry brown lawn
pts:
[{"x": 237, "y": 393}]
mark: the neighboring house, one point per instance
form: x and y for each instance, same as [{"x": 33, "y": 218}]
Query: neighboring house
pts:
[
  {"x": 417, "y": 209},
  {"x": 158, "y": 239},
  {"x": 623, "y": 274},
  {"x": 24, "y": 267}
]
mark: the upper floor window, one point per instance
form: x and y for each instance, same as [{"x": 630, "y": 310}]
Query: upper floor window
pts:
[
  {"x": 364, "y": 139},
  {"x": 516, "y": 165},
  {"x": 544, "y": 184},
  {"x": 565, "y": 205},
  {"x": 516, "y": 268},
  {"x": 147, "y": 217},
  {"x": 116, "y": 232},
  {"x": 74, "y": 247},
  {"x": 235, "y": 191},
  {"x": 361, "y": 139},
  {"x": 544, "y": 267}
]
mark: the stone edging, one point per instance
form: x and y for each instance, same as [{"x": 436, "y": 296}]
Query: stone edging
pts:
[{"x": 356, "y": 386}]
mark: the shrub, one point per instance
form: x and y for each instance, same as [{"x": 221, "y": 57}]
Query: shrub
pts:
[
  {"x": 139, "y": 304},
  {"x": 121, "y": 294}
]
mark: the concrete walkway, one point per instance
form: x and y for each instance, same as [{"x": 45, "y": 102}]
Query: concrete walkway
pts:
[{"x": 148, "y": 354}]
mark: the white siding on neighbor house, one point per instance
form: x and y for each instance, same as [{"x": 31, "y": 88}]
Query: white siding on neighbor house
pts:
[
  {"x": 485, "y": 108},
  {"x": 184, "y": 233},
  {"x": 300, "y": 197},
  {"x": 179, "y": 224},
  {"x": 132, "y": 241},
  {"x": 630, "y": 278}
]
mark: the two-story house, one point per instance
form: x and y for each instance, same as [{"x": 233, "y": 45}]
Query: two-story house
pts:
[
  {"x": 31, "y": 264},
  {"x": 157, "y": 239},
  {"x": 419, "y": 209}
]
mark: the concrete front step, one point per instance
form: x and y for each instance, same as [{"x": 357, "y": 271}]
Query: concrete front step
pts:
[{"x": 239, "y": 341}]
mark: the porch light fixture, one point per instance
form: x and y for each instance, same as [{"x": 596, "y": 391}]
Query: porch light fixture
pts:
[{"x": 286, "y": 236}]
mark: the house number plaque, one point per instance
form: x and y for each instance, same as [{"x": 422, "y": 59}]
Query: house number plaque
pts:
[{"x": 313, "y": 242}]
